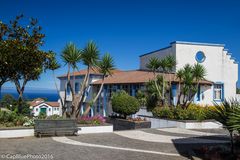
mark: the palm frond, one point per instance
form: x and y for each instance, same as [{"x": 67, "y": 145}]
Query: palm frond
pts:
[
  {"x": 153, "y": 64},
  {"x": 90, "y": 54},
  {"x": 71, "y": 55},
  {"x": 106, "y": 64}
]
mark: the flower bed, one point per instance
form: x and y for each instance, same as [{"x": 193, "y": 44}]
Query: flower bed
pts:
[
  {"x": 193, "y": 112},
  {"x": 91, "y": 121},
  {"x": 128, "y": 124}
]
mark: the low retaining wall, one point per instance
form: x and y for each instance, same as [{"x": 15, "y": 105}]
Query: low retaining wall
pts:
[
  {"x": 123, "y": 124},
  {"x": 28, "y": 132},
  {"x": 16, "y": 132},
  {"x": 95, "y": 129},
  {"x": 187, "y": 124}
]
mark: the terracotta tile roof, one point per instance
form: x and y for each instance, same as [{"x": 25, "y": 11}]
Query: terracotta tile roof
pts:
[
  {"x": 138, "y": 76},
  {"x": 35, "y": 103},
  {"x": 84, "y": 72},
  {"x": 53, "y": 104}
]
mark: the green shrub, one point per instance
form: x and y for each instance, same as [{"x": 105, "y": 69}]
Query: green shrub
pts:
[
  {"x": 9, "y": 102},
  {"x": 10, "y": 119},
  {"x": 193, "y": 112},
  {"x": 42, "y": 115},
  {"x": 196, "y": 112},
  {"x": 180, "y": 113},
  {"x": 7, "y": 116},
  {"x": 53, "y": 117},
  {"x": 163, "y": 112},
  {"x": 124, "y": 104}
]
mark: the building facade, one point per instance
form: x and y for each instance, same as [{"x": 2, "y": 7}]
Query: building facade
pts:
[
  {"x": 222, "y": 68},
  {"x": 39, "y": 105},
  {"x": 220, "y": 83}
]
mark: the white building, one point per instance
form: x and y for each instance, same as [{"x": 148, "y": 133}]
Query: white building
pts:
[
  {"x": 222, "y": 68},
  {"x": 49, "y": 108},
  {"x": 220, "y": 83}
]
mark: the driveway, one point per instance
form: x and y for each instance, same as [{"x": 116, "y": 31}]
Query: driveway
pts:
[{"x": 168, "y": 143}]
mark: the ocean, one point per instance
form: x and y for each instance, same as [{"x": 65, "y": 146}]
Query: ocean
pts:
[{"x": 49, "y": 95}]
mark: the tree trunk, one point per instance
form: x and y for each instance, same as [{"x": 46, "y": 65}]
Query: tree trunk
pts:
[
  {"x": 73, "y": 115},
  {"x": 180, "y": 93},
  {"x": 155, "y": 82},
  {"x": 95, "y": 99},
  {"x": 170, "y": 90},
  {"x": 20, "y": 90},
  {"x": 58, "y": 90},
  {"x": 82, "y": 92}
]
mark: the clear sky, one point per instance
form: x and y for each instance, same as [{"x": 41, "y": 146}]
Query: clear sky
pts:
[{"x": 128, "y": 28}]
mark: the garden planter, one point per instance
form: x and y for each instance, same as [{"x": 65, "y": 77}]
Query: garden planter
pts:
[
  {"x": 185, "y": 124},
  {"x": 55, "y": 127},
  {"x": 123, "y": 124},
  {"x": 103, "y": 128}
]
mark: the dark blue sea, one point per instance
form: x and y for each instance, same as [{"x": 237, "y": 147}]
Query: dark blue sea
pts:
[{"x": 49, "y": 95}]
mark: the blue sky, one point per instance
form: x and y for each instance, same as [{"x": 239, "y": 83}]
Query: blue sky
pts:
[{"x": 128, "y": 28}]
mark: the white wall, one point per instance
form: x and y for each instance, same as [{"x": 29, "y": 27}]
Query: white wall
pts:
[
  {"x": 218, "y": 63},
  {"x": 49, "y": 109}
]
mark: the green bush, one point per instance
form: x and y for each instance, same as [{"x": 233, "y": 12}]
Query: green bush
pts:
[
  {"x": 193, "y": 112},
  {"x": 180, "y": 114},
  {"x": 42, "y": 115},
  {"x": 7, "y": 116},
  {"x": 10, "y": 119},
  {"x": 163, "y": 112},
  {"x": 9, "y": 102},
  {"x": 53, "y": 117},
  {"x": 124, "y": 104}
]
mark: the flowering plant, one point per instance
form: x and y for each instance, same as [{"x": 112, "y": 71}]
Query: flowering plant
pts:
[{"x": 95, "y": 120}]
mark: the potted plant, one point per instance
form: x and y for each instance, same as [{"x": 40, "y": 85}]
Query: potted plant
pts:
[{"x": 125, "y": 105}]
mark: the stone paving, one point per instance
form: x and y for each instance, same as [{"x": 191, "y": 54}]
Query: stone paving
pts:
[{"x": 150, "y": 144}]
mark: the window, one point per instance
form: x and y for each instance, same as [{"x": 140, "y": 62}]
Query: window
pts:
[
  {"x": 200, "y": 57},
  {"x": 49, "y": 109},
  {"x": 77, "y": 87},
  {"x": 36, "y": 109},
  {"x": 218, "y": 92},
  {"x": 55, "y": 109},
  {"x": 198, "y": 93},
  {"x": 68, "y": 90}
]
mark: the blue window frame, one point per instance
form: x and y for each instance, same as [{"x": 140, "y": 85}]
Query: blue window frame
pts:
[
  {"x": 199, "y": 93},
  {"x": 77, "y": 87},
  {"x": 200, "y": 57},
  {"x": 218, "y": 92},
  {"x": 68, "y": 90}
]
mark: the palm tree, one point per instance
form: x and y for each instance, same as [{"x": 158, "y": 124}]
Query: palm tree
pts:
[
  {"x": 106, "y": 66},
  {"x": 164, "y": 66},
  {"x": 188, "y": 83},
  {"x": 71, "y": 55},
  {"x": 170, "y": 64},
  {"x": 180, "y": 77},
  {"x": 153, "y": 65},
  {"x": 223, "y": 113},
  {"x": 90, "y": 58},
  {"x": 199, "y": 72}
]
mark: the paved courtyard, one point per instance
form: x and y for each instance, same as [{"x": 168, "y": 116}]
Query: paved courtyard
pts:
[{"x": 167, "y": 143}]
